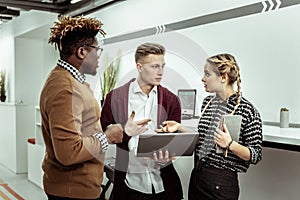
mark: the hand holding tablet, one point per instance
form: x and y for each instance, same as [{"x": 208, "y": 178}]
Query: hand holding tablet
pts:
[{"x": 233, "y": 126}]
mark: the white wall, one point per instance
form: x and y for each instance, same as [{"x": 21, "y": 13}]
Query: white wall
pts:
[
  {"x": 266, "y": 48},
  {"x": 27, "y": 87},
  {"x": 264, "y": 44},
  {"x": 134, "y": 15},
  {"x": 34, "y": 60},
  {"x": 14, "y": 51}
]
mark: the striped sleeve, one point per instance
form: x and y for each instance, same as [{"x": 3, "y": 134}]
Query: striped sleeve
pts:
[{"x": 253, "y": 136}]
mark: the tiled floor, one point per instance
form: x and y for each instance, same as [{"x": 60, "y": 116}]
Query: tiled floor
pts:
[{"x": 21, "y": 185}]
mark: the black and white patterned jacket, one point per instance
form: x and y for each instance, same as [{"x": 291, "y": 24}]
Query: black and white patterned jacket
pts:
[{"x": 250, "y": 135}]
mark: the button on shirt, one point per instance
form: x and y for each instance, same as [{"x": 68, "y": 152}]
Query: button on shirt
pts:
[{"x": 142, "y": 174}]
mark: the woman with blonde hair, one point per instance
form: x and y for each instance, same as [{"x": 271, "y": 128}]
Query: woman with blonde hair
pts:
[{"x": 215, "y": 174}]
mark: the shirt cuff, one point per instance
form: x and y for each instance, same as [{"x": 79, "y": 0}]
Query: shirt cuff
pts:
[{"x": 103, "y": 140}]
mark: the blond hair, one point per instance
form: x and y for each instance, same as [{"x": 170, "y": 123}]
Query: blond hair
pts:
[
  {"x": 69, "y": 33},
  {"x": 148, "y": 48},
  {"x": 226, "y": 64}
]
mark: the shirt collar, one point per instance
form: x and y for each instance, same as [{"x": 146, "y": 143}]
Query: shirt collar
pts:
[
  {"x": 136, "y": 88},
  {"x": 70, "y": 68}
]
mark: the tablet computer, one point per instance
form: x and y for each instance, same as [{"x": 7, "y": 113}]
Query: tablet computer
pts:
[
  {"x": 178, "y": 144},
  {"x": 233, "y": 123}
]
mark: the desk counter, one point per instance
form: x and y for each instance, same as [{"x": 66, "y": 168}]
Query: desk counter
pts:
[
  {"x": 273, "y": 136},
  {"x": 281, "y": 138}
]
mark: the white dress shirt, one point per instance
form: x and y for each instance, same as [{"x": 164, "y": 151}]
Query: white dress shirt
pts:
[{"x": 142, "y": 174}]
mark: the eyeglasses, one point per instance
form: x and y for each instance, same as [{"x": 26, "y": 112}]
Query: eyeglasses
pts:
[{"x": 98, "y": 49}]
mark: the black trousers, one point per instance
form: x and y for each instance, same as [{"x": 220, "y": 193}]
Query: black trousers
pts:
[
  {"x": 136, "y": 195},
  {"x": 52, "y": 197},
  {"x": 210, "y": 183}
]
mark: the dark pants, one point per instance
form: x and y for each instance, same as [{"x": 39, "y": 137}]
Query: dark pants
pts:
[
  {"x": 52, "y": 197},
  {"x": 135, "y": 195},
  {"x": 210, "y": 183}
]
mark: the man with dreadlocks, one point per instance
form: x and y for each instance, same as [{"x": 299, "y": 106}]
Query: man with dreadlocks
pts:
[{"x": 75, "y": 142}]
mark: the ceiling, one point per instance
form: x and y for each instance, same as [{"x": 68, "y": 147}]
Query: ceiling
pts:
[{"x": 10, "y": 9}]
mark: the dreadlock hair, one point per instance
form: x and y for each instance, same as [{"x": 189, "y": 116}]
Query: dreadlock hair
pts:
[
  {"x": 70, "y": 33},
  {"x": 148, "y": 48},
  {"x": 226, "y": 64}
]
